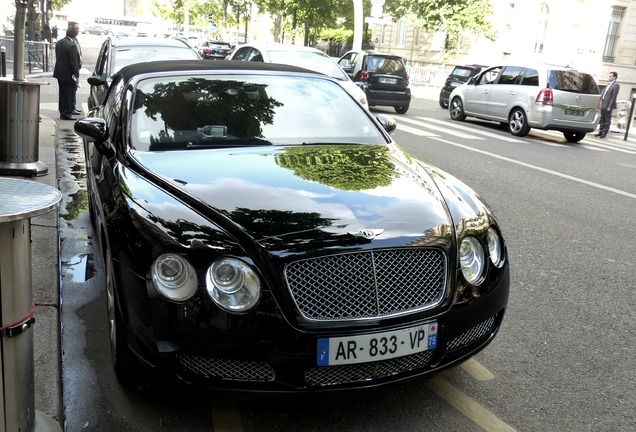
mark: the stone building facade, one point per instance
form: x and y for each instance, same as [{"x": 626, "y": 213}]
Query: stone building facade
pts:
[{"x": 597, "y": 36}]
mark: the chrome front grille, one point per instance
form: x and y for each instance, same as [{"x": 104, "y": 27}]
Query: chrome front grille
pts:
[
  {"x": 334, "y": 375},
  {"x": 227, "y": 369},
  {"x": 367, "y": 284}
]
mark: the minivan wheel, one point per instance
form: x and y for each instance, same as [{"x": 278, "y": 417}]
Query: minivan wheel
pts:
[
  {"x": 457, "y": 109},
  {"x": 574, "y": 137},
  {"x": 402, "y": 109},
  {"x": 443, "y": 104},
  {"x": 518, "y": 123}
]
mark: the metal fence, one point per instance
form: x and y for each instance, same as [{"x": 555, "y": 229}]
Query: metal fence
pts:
[
  {"x": 37, "y": 55},
  {"x": 428, "y": 76}
]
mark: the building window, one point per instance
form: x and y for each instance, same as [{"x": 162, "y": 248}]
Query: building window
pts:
[
  {"x": 542, "y": 27},
  {"x": 401, "y": 33},
  {"x": 609, "y": 50}
]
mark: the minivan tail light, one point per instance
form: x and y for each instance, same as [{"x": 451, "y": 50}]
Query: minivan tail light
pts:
[
  {"x": 407, "y": 79},
  {"x": 545, "y": 97},
  {"x": 364, "y": 76},
  {"x": 600, "y": 103}
]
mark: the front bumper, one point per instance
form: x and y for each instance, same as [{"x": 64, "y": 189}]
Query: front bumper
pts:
[
  {"x": 268, "y": 356},
  {"x": 388, "y": 98}
]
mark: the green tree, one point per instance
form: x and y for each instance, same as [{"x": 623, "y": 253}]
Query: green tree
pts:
[
  {"x": 453, "y": 17},
  {"x": 306, "y": 17},
  {"x": 56, "y": 5}
]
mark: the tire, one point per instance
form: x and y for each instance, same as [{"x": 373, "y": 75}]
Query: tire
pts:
[
  {"x": 574, "y": 137},
  {"x": 125, "y": 363},
  {"x": 443, "y": 104},
  {"x": 518, "y": 123},
  {"x": 456, "y": 109},
  {"x": 401, "y": 110}
]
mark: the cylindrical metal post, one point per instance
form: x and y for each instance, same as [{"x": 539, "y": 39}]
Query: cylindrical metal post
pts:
[
  {"x": 19, "y": 201},
  {"x": 3, "y": 61},
  {"x": 18, "y": 39}
]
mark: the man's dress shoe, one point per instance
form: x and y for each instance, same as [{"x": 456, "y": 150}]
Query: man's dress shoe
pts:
[{"x": 67, "y": 117}]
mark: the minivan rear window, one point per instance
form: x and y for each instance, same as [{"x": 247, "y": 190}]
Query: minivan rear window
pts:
[{"x": 572, "y": 81}]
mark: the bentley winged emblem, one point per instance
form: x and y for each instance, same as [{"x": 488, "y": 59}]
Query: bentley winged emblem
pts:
[{"x": 368, "y": 234}]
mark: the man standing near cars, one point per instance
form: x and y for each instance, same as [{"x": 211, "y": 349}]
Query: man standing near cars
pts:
[
  {"x": 67, "y": 68},
  {"x": 608, "y": 103}
]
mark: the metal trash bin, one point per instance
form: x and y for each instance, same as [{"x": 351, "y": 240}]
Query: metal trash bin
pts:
[
  {"x": 20, "y": 128},
  {"x": 20, "y": 200}
]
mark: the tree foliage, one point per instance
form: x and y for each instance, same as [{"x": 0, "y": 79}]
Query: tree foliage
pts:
[{"x": 453, "y": 17}]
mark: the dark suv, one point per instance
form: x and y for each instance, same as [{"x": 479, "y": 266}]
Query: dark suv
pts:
[
  {"x": 383, "y": 78},
  {"x": 457, "y": 77}
]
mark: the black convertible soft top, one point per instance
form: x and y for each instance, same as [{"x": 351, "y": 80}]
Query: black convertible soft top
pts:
[{"x": 131, "y": 71}]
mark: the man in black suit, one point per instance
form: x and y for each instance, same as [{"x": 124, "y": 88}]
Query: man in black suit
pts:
[
  {"x": 67, "y": 68},
  {"x": 608, "y": 103}
]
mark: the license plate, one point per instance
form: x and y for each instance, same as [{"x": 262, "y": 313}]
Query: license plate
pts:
[
  {"x": 388, "y": 80},
  {"x": 577, "y": 113},
  {"x": 376, "y": 346}
]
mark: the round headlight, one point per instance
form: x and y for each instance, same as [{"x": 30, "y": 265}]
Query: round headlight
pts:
[
  {"x": 472, "y": 260},
  {"x": 173, "y": 276},
  {"x": 233, "y": 285},
  {"x": 495, "y": 248}
]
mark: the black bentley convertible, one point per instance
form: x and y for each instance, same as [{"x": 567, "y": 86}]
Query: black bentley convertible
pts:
[{"x": 262, "y": 232}]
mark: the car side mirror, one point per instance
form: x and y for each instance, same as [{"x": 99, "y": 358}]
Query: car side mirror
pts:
[
  {"x": 387, "y": 122},
  {"x": 95, "y": 81},
  {"x": 94, "y": 129}
]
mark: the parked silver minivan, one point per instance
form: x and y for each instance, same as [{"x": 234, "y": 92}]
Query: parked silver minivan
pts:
[{"x": 545, "y": 97}]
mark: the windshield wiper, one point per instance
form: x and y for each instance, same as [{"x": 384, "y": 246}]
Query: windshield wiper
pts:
[{"x": 238, "y": 142}]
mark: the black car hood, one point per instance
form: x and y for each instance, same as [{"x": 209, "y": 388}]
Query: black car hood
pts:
[{"x": 288, "y": 193}]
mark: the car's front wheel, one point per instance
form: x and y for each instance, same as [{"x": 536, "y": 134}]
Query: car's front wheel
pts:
[
  {"x": 518, "y": 123},
  {"x": 402, "y": 109},
  {"x": 574, "y": 137},
  {"x": 125, "y": 363},
  {"x": 457, "y": 109}
]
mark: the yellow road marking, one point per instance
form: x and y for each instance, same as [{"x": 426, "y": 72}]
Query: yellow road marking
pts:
[
  {"x": 468, "y": 406},
  {"x": 477, "y": 370},
  {"x": 226, "y": 417}
]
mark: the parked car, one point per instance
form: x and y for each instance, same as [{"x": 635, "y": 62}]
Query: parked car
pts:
[
  {"x": 459, "y": 75},
  {"x": 117, "y": 52},
  {"x": 262, "y": 232},
  {"x": 95, "y": 30},
  {"x": 302, "y": 56},
  {"x": 522, "y": 97},
  {"x": 215, "y": 50},
  {"x": 383, "y": 78}
]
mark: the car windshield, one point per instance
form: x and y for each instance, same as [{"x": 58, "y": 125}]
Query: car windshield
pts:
[
  {"x": 193, "y": 112},
  {"x": 462, "y": 72},
  {"x": 312, "y": 60},
  {"x": 145, "y": 53}
]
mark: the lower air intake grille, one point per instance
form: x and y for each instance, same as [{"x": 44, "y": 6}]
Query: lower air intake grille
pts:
[
  {"x": 474, "y": 334},
  {"x": 231, "y": 370},
  {"x": 334, "y": 375}
]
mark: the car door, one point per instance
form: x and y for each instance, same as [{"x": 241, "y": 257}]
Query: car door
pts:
[
  {"x": 102, "y": 66},
  {"x": 503, "y": 93},
  {"x": 476, "y": 93},
  {"x": 348, "y": 63}
]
